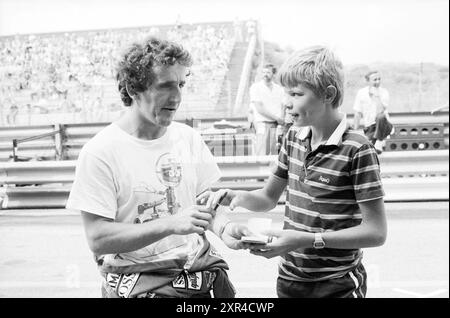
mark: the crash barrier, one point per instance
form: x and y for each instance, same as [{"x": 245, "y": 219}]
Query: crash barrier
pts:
[
  {"x": 76, "y": 135},
  {"x": 417, "y": 137},
  {"x": 55, "y": 134},
  {"x": 416, "y": 189},
  {"x": 72, "y": 137},
  {"x": 42, "y": 148},
  {"x": 392, "y": 165},
  {"x": 419, "y": 176}
]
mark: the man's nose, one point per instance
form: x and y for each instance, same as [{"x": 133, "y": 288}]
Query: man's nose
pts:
[{"x": 175, "y": 97}]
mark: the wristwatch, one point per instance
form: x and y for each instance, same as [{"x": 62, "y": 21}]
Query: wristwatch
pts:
[{"x": 318, "y": 241}]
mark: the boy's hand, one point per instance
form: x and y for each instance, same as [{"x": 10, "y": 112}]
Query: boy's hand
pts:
[
  {"x": 212, "y": 199},
  {"x": 282, "y": 242},
  {"x": 232, "y": 235}
]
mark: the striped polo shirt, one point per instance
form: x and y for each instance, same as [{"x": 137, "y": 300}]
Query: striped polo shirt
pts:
[{"x": 323, "y": 192}]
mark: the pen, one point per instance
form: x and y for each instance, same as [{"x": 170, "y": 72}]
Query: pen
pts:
[{"x": 220, "y": 201}]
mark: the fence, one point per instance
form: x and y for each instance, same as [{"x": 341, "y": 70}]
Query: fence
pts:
[{"x": 67, "y": 144}]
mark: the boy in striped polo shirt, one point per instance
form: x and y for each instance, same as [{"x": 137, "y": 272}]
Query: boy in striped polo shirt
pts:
[{"x": 334, "y": 199}]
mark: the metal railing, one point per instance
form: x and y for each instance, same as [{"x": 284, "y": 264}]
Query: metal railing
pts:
[
  {"x": 57, "y": 143},
  {"x": 72, "y": 137},
  {"x": 416, "y": 176}
]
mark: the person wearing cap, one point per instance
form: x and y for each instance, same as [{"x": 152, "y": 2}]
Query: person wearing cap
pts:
[{"x": 371, "y": 105}]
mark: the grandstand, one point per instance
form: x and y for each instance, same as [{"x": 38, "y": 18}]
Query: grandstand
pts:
[{"x": 69, "y": 77}]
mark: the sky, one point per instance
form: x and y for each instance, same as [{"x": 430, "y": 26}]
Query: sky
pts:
[{"x": 360, "y": 31}]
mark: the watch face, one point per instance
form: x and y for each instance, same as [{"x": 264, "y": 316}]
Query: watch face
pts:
[
  {"x": 319, "y": 244},
  {"x": 318, "y": 241}
]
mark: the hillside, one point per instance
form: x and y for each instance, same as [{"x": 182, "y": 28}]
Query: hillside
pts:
[{"x": 402, "y": 80}]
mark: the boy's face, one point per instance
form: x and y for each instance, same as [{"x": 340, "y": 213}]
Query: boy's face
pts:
[{"x": 305, "y": 107}]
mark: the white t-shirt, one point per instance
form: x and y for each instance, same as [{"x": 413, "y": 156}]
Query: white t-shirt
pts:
[
  {"x": 116, "y": 178},
  {"x": 365, "y": 105},
  {"x": 272, "y": 99}
]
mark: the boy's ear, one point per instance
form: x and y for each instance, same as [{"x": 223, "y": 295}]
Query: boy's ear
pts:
[{"x": 330, "y": 94}]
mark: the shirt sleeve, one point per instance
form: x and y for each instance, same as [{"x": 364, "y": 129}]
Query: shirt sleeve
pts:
[
  {"x": 281, "y": 169},
  {"x": 385, "y": 97},
  {"x": 357, "y": 105},
  {"x": 365, "y": 174},
  {"x": 93, "y": 190},
  {"x": 206, "y": 166},
  {"x": 254, "y": 94}
]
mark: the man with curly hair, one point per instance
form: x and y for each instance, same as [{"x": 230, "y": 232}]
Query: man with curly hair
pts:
[{"x": 136, "y": 186}]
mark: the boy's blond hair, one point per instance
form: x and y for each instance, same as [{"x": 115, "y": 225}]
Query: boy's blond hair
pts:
[{"x": 315, "y": 67}]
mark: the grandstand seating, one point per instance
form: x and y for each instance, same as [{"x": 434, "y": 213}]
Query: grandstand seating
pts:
[{"x": 73, "y": 72}]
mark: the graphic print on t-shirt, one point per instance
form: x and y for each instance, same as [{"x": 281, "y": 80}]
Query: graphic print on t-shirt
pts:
[{"x": 151, "y": 203}]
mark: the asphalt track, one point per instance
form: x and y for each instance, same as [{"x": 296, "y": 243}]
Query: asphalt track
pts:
[{"x": 44, "y": 254}]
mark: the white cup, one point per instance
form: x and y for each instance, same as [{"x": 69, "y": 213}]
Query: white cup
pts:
[{"x": 259, "y": 225}]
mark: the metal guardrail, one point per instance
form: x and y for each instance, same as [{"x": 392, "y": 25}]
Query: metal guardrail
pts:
[
  {"x": 394, "y": 164},
  {"x": 44, "y": 147},
  {"x": 416, "y": 176},
  {"x": 56, "y": 134},
  {"x": 414, "y": 189},
  {"x": 74, "y": 136}
]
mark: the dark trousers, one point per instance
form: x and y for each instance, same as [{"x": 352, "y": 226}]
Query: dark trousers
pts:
[
  {"x": 351, "y": 285},
  {"x": 380, "y": 130},
  {"x": 370, "y": 133}
]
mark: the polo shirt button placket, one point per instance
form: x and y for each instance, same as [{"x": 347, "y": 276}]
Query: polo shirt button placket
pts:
[{"x": 305, "y": 170}]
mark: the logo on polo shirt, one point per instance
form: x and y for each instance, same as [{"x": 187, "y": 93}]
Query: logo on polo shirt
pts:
[{"x": 325, "y": 180}]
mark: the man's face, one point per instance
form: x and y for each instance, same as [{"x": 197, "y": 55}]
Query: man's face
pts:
[
  {"x": 375, "y": 80},
  {"x": 159, "y": 103},
  {"x": 304, "y": 106},
  {"x": 267, "y": 74}
]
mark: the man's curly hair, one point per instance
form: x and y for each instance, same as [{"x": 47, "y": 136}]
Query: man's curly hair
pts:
[{"x": 135, "y": 69}]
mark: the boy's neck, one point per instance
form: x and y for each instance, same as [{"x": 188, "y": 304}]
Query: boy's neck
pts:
[{"x": 323, "y": 130}]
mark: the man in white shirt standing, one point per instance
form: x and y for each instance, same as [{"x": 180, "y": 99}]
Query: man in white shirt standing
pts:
[
  {"x": 371, "y": 105},
  {"x": 136, "y": 185},
  {"x": 266, "y": 106}
]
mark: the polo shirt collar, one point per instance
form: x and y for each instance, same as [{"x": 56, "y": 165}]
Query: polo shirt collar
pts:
[{"x": 336, "y": 136}]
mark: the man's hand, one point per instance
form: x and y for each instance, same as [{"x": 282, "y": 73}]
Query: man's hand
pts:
[
  {"x": 232, "y": 235},
  {"x": 195, "y": 219}
]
